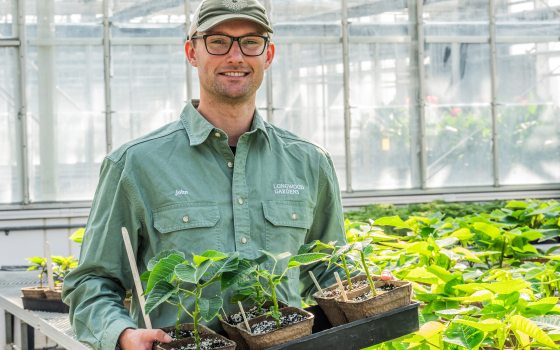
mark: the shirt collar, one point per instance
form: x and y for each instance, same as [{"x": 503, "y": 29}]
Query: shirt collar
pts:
[{"x": 198, "y": 128}]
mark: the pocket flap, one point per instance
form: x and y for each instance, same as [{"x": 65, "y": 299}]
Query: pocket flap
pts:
[
  {"x": 288, "y": 213},
  {"x": 185, "y": 216}
]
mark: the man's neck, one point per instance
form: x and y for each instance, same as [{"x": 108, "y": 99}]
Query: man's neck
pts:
[{"x": 233, "y": 118}]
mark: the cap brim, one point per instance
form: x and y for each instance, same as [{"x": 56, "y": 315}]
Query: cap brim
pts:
[{"x": 220, "y": 19}]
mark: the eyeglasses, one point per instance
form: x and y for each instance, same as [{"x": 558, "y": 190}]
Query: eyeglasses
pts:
[{"x": 220, "y": 44}]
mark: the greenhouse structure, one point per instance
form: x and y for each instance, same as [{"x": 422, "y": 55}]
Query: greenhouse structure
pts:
[{"x": 425, "y": 173}]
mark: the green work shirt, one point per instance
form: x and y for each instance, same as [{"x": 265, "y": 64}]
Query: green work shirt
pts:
[{"x": 181, "y": 187}]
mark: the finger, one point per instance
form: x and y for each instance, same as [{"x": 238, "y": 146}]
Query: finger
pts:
[{"x": 161, "y": 336}]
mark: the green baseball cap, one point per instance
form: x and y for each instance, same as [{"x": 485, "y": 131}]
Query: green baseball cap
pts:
[{"x": 213, "y": 12}]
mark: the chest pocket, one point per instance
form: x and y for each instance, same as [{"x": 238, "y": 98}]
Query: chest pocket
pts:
[
  {"x": 287, "y": 223},
  {"x": 192, "y": 227}
]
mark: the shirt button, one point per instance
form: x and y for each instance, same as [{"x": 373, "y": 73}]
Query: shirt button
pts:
[
  {"x": 230, "y": 164},
  {"x": 243, "y": 240},
  {"x": 217, "y": 134},
  {"x": 185, "y": 219},
  {"x": 294, "y": 216},
  {"x": 240, "y": 200}
]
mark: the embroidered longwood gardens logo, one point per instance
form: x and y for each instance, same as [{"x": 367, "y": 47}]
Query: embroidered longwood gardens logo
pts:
[
  {"x": 235, "y": 5},
  {"x": 287, "y": 188}
]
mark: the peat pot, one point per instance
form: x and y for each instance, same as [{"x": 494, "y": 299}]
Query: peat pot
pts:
[
  {"x": 233, "y": 331},
  {"x": 279, "y": 335},
  {"x": 357, "y": 307},
  {"x": 330, "y": 306}
]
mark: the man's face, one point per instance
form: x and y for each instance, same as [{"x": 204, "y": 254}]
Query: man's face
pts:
[{"x": 232, "y": 77}]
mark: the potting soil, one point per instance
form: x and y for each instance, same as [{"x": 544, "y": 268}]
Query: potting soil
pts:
[
  {"x": 270, "y": 325},
  {"x": 382, "y": 289},
  {"x": 205, "y": 344},
  {"x": 237, "y": 318},
  {"x": 336, "y": 291}
]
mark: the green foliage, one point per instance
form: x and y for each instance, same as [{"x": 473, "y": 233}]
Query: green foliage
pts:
[
  {"x": 173, "y": 279},
  {"x": 40, "y": 264},
  {"x": 78, "y": 235},
  {"x": 268, "y": 280},
  {"x": 480, "y": 280}
]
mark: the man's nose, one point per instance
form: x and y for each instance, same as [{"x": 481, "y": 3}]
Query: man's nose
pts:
[{"x": 235, "y": 53}]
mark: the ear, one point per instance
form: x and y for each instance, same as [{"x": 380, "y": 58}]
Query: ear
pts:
[
  {"x": 270, "y": 50},
  {"x": 190, "y": 52}
]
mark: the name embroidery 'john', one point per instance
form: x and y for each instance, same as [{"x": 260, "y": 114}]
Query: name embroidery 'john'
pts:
[{"x": 287, "y": 188}]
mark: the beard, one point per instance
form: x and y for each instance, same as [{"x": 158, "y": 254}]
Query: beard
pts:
[{"x": 233, "y": 92}]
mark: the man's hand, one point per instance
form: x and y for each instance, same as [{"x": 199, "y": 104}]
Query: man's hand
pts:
[{"x": 142, "y": 339}]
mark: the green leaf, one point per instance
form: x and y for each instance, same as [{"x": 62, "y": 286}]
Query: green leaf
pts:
[
  {"x": 453, "y": 312},
  {"x": 393, "y": 221},
  {"x": 212, "y": 255},
  {"x": 464, "y": 335},
  {"x": 507, "y": 287},
  {"x": 209, "y": 307},
  {"x": 78, "y": 235},
  {"x": 441, "y": 273},
  {"x": 159, "y": 294},
  {"x": 525, "y": 325},
  {"x": 516, "y": 204},
  {"x": 487, "y": 325},
  {"x": 186, "y": 273},
  {"x": 481, "y": 295},
  {"x": 462, "y": 234},
  {"x": 430, "y": 329},
  {"x": 306, "y": 259},
  {"x": 490, "y": 230},
  {"x": 153, "y": 261},
  {"x": 163, "y": 270},
  {"x": 37, "y": 260}
]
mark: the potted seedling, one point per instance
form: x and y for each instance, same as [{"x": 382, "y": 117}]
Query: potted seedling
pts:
[
  {"x": 36, "y": 292},
  {"x": 175, "y": 280},
  {"x": 246, "y": 289},
  {"x": 380, "y": 296},
  {"x": 62, "y": 265},
  {"x": 326, "y": 297},
  {"x": 278, "y": 325}
]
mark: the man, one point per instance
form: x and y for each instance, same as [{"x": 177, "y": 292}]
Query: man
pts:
[{"x": 219, "y": 178}]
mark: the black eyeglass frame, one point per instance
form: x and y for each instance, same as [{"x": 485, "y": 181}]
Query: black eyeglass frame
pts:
[{"x": 233, "y": 39}]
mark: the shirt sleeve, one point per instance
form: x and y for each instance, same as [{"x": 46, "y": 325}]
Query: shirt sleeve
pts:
[
  {"x": 327, "y": 226},
  {"x": 96, "y": 288}
]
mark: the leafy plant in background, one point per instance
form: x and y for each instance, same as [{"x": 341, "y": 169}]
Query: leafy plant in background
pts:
[
  {"x": 39, "y": 264},
  {"x": 62, "y": 265},
  {"x": 78, "y": 235},
  {"x": 480, "y": 280},
  {"x": 175, "y": 280}
]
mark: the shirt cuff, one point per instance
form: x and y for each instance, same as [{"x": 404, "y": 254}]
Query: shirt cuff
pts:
[{"x": 112, "y": 335}]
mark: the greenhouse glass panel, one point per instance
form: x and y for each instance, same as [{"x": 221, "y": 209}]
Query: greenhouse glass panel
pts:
[
  {"x": 308, "y": 96},
  {"x": 457, "y": 73},
  {"x": 529, "y": 144},
  {"x": 529, "y": 127},
  {"x": 377, "y": 12},
  {"x": 7, "y": 16},
  {"x": 380, "y": 95},
  {"x": 155, "y": 19},
  {"x": 536, "y": 19},
  {"x": 10, "y": 157},
  {"x": 148, "y": 88},
  {"x": 459, "y": 146},
  {"x": 66, "y": 123},
  {"x": 75, "y": 19},
  {"x": 456, "y": 19}
]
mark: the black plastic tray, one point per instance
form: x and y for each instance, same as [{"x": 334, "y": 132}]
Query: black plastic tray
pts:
[
  {"x": 45, "y": 305},
  {"x": 358, "y": 334}
]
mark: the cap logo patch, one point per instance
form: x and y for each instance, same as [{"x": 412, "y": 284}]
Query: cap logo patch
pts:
[{"x": 235, "y": 5}]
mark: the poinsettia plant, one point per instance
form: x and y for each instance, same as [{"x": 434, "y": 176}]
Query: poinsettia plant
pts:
[{"x": 172, "y": 278}]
